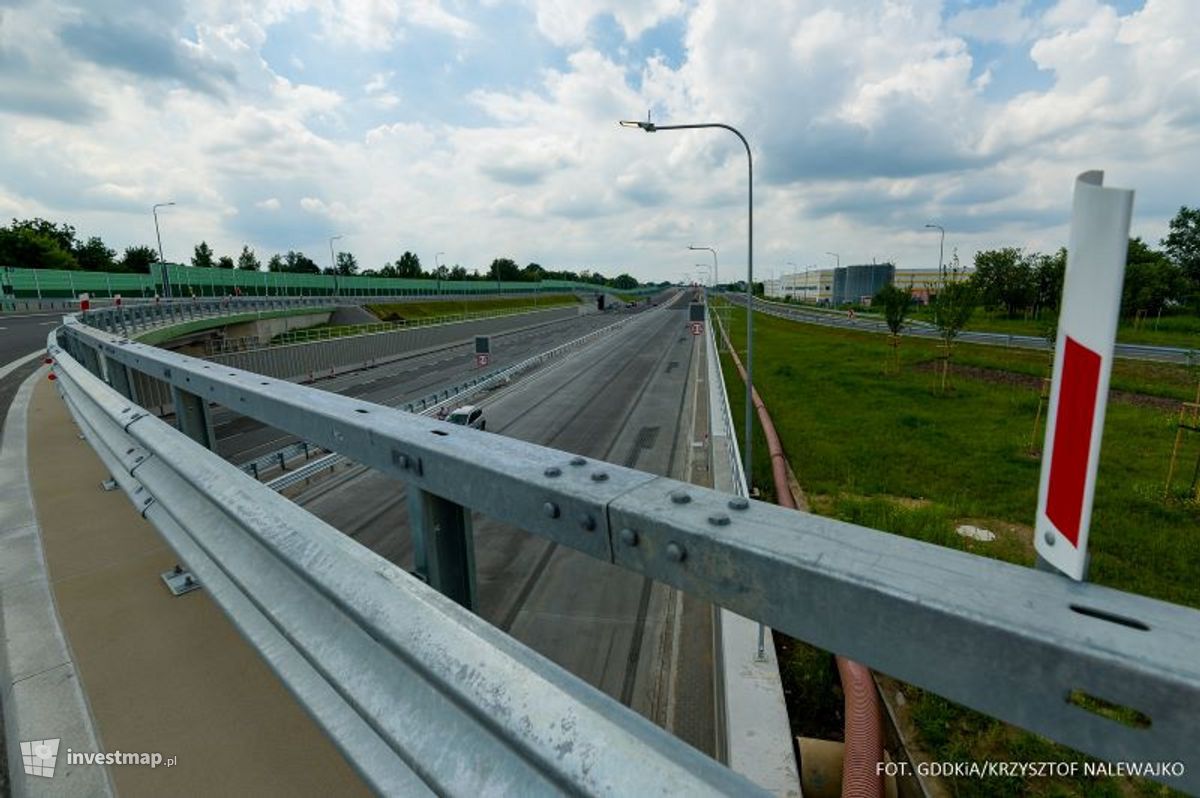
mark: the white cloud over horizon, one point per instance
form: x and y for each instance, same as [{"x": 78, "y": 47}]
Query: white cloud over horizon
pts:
[{"x": 489, "y": 130}]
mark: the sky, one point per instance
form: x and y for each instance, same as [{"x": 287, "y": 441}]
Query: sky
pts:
[{"x": 489, "y": 129}]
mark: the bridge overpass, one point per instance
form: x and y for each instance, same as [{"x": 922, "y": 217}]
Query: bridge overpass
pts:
[{"x": 583, "y": 537}]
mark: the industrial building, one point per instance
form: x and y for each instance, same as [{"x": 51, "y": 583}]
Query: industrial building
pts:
[{"x": 856, "y": 284}]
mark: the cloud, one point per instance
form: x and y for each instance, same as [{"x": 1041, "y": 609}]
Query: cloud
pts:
[
  {"x": 1005, "y": 22},
  {"x": 150, "y": 54}
]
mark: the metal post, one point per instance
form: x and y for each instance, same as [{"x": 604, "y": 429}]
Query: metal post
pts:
[
  {"x": 443, "y": 545},
  {"x": 193, "y": 418},
  {"x": 120, "y": 378}
]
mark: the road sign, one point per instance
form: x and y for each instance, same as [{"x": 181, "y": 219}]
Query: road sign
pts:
[
  {"x": 697, "y": 328},
  {"x": 482, "y": 359},
  {"x": 1087, "y": 330}
]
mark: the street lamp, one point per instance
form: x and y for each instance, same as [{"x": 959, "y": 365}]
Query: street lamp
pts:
[
  {"x": 161, "y": 259},
  {"x": 437, "y": 270},
  {"x": 837, "y": 257},
  {"x": 333, "y": 263},
  {"x": 716, "y": 275},
  {"x": 941, "y": 248},
  {"x": 650, "y": 127}
]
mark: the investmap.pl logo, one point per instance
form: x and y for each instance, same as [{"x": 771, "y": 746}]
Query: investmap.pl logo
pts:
[{"x": 39, "y": 757}]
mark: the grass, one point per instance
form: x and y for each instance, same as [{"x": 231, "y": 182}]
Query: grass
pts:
[
  {"x": 418, "y": 310},
  {"x": 887, "y": 451},
  {"x": 1177, "y": 330}
]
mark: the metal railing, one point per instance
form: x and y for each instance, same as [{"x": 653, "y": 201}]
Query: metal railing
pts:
[
  {"x": 920, "y": 329},
  {"x": 423, "y": 696}
]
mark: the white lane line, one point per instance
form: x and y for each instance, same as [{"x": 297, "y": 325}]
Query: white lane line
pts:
[
  {"x": 16, "y": 364},
  {"x": 48, "y": 323}
]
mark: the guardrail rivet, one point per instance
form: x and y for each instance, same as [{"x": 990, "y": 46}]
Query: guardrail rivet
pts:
[
  {"x": 550, "y": 510},
  {"x": 629, "y": 537},
  {"x": 718, "y": 519},
  {"x": 675, "y": 552},
  {"x": 586, "y": 522},
  {"x": 552, "y": 471},
  {"x": 739, "y": 503},
  {"x": 599, "y": 476},
  {"x": 578, "y": 461},
  {"x": 679, "y": 497}
]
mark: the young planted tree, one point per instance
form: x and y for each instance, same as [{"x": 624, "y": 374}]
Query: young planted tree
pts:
[
  {"x": 202, "y": 256},
  {"x": 896, "y": 302},
  {"x": 951, "y": 308},
  {"x": 248, "y": 261}
]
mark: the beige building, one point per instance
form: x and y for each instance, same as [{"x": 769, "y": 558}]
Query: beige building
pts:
[{"x": 923, "y": 282}]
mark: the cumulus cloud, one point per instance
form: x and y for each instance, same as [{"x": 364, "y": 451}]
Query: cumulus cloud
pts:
[{"x": 866, "y": 120}]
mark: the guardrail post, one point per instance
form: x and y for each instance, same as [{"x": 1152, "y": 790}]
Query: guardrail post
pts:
[
  {"x": 119, "y": 377},
  {"x": 193, "y": 418},
  {"x": 443, "y": 545}
]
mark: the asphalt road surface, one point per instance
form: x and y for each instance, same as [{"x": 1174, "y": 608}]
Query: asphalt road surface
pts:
[
  {"x": 626, "y": 400},
  {"x": 20, "y": 335}
]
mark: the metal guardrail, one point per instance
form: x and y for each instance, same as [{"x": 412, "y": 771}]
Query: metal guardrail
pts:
[
  {"x": 1165, "y": 354},
  {"x": 421, "y": 694},
  {"x": 276, "y": 459}
]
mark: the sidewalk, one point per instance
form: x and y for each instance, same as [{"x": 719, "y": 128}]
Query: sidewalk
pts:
[{"x": 161, "y": 673}]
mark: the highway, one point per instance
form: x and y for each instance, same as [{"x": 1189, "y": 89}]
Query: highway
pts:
[
  {"x": 241, "y": 439},
  {"x": 20, "y": 334},
  {"x": 626, "y": 400}
]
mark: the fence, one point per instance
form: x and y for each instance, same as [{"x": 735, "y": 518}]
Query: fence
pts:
[{"x": 186, "y": 281}]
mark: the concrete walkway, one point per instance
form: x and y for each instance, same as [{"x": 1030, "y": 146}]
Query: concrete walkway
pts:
[{"x": 160, "y": 673}]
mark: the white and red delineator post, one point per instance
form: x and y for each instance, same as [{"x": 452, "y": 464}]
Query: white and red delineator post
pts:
[{"x": 1087, "y": 329}]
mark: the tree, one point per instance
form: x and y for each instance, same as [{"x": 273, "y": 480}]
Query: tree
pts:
[
  {"x": 408, "y": 265},
  {"x": 533, "y": 272},
  {"x": 951, "y": 308},
  {"x": 93, "y": 256},
  {"x": 299, "y": 263},
  {"x": 1183, "y": 243},
  {"x": 224, "y": 262},
  {"x": 458, "y": 273},
  {"x": 1004, "y": 279},
  {"x": 275, "y": 263},
  {"x": 388, "y": 270},
  {"x": 625, "y": 282},
  {"x": 347, "y": 264},
  {"x": 37, "y": 244},
  {"x": 504, "y": 269},
  {"x": 1048, "y": 273},
  {"x": 202, "y": 256},
  {"x": 248, "y": 261},
  {"x": 139, "y": 259},
  {"x": 1151, "y": 280},
  {"x": 896, "y": 303}
]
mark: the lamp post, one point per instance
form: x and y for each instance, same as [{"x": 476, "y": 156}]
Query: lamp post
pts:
[
  {"x": 437, "y": 270},
  {"x": 333, "y": 263},
  {"x": 716, "y": 276},
  {"x": 837, "y": 257},
  {"x": 166, "y": 281},
  {"x": 795, "y": 274},
  {"x": 650, "y": 127},
  {"x": 941, "y": 248}
]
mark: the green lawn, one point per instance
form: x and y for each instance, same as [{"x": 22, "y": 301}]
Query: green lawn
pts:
[
  {"x": 420, "y": 310},
  {"x": 888, "y": 451}
]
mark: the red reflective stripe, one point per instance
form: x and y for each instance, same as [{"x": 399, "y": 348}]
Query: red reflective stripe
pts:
[{"x": 1072, "y": 438}]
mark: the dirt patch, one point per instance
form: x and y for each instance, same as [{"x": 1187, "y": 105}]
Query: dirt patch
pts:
[
  {"x": 1001, "y": 377},
  {"x": 1019, "y": 536}
]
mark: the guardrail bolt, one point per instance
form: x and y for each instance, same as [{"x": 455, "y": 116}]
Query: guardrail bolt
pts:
[
  {"x": 680, "y": 497},
  {"x": 550, "y": 510},
  {"x": 586, "y": 522},
  {"x": 552, "y": 471},
  {"x": 629, "y": 537},
  {"x": 1048, "y": 537},
  {"x": 718, "y": 519},
  {"x": 599, "y": 476},
  {"x": 578, "y": 461},
  {"x": 675, "y": 552},
  {"x": 739, "y": 503}
]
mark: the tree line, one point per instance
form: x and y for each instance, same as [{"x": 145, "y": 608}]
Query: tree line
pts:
[{"x": 41, "y": 244}]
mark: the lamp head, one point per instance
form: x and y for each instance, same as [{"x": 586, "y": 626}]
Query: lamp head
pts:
[{"x": 646, "y": 126}]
